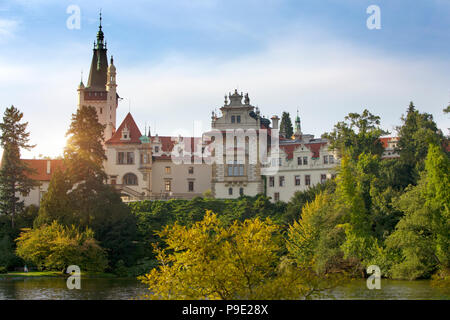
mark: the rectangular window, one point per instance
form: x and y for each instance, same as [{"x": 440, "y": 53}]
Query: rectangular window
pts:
[
  {"x": 281, "y": 181},
  {"x": 271, "y": 182},
  {"x": 299, "y": 161},
  {"x": 323, "y": 178},
  {"x": 276, "y": 196},
  {"x": 331, "y": 159},
  {"x": 297, "y": 180},
  {"x": 307, "y": 180},
  {"x": 325, "y": 159},
  {"x": 236, "y": 169},
  {"x": 191, "y": 170},
  {"x": 280, "y": 161},
  {"x": 121, "y": 157},
  {"x": 191, "y": 186},
  {"x": 274, "y": 162},
  {"x": 156, "y": 149},
  {"x": 305, "y": 160},
  {"x": 238, "y": 119},
  {"x": 233, "y": 119},
  {"x": 130, "y": 157},
  {"x": 167, "y": 185},
  {"x": 230, "y": 191},
  {"x": 168, "y": 170}
]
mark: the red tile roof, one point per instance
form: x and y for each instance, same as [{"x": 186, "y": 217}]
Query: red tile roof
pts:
[
  {"x": 135, "y": 133},
  {"x": 289, "y": 149},
  {"x": 313, "y": 147},
  {"x": 40, "y": 167}
]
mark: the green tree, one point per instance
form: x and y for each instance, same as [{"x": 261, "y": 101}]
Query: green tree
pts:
[
  {"x": 350, "y": 201},
  {"x": 421, "y": 240},
  {"x": 79, "y": 195},
  {"x": 14, "y": 173},
  {"x": 55, "y": 247},
  {"x": 300, "y": 198},
  {"x": 357, "y": 134},
  {"x": 286, "y": 125},
  {"x": 447, "y": 110},
  {"x": 415, "y": 134}
]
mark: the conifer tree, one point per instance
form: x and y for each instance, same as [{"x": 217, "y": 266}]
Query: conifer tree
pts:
[
  {"x": 80, "y": 195},
  {"x": 14, "y": 173},
  {"x": 286, "y": 127}
]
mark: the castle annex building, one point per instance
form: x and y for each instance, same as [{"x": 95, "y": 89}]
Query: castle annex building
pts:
[{"x": 141, "y": 165}]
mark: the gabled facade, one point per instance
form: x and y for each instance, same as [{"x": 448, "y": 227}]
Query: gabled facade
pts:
[
  {"x": 141, "y": 166},
  {"x": 235, "y": 176}
]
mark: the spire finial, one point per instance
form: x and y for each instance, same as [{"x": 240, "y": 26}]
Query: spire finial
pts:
[{"x": 100, "y": 35}]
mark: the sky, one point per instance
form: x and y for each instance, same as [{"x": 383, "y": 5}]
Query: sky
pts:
[{"x": 176, "y": 59}]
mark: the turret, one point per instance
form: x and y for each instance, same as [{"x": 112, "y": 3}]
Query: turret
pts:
[{"x": 298, "y": 129}]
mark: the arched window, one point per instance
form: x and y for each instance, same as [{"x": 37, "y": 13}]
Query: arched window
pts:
[{"x": 130, "y": 179}]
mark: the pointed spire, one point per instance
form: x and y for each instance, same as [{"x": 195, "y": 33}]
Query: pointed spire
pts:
[
  {"x": 298, "y": 129},
  {"x": 99, "y": 65},
  {"x": 100, "y": 35}
]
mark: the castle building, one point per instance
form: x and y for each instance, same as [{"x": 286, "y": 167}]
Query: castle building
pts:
[{"x": 250, "y": 156}]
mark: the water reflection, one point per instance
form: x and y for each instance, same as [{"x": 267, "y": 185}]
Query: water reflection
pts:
[
  {"x": 55, "y": 289},
  {"x": 124, "y": 289}
]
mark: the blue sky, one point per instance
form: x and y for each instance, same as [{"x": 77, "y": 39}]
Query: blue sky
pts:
[{"x": 176, "y": 60}]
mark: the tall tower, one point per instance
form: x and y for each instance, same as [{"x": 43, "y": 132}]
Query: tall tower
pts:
[{"x": 100, "y": 91}]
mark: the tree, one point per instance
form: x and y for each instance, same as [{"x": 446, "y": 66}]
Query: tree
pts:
[
  {"x": 300, "y": 198},
  {"x": 14, "y": 173},
  {"x": 359, "y": 242},
  {"x": 357, "y": 134},
  {"x": 421, "y": 240},
  {"x": 415, "y": 134},
  {"x": 55, "y": 247},
  {"x": 213, "y": 261},
  {"x": 286, "y": 127},
  {"x": 447, "y": 110},
  {"x": 79, "y": 195}
]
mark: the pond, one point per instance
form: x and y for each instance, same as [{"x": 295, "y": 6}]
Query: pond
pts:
[{"x": 124, "y": 289}]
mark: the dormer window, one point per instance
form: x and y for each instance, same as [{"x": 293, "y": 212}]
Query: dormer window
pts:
[{"x": 125, "y": 134}]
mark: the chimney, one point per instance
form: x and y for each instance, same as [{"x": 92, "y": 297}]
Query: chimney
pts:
[
  {"x": 275, "y": 120},
  {"x": 48, "y": 166}
]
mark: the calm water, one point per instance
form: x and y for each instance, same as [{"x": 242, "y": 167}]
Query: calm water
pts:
[{"x": 104, "y": 289}]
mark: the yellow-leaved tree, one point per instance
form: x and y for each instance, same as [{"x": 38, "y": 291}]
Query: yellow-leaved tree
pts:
[{"x": 211, "y": 260}]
